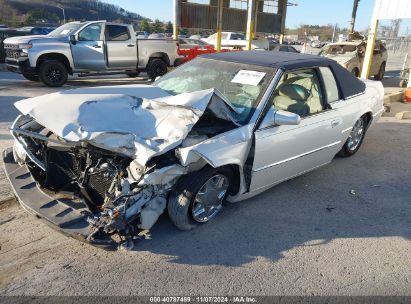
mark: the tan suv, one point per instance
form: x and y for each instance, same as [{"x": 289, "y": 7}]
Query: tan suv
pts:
[{"x": 350, "y": 55}]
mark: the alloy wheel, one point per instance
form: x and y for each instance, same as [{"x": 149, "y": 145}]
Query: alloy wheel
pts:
[
  {"x": 356, "y": 135},
  {"x": 208, "y": 200}
]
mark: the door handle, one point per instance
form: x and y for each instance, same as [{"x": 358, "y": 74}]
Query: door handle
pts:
[
  {"x": 130, "y": 45},
  {"x": 97, "y": 46},
  {"x": 335, "y": 123}
]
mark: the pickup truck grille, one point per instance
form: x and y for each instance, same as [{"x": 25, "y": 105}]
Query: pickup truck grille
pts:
[{"x": 12, "y": 51}]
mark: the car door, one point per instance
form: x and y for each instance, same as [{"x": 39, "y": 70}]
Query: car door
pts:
[
  {"x": 88, "y": 50},
  {"x": 285, "y": 151},
  {"x": 121, "y": 47}
]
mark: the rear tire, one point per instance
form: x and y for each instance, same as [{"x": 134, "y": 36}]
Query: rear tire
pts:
[
  {"x": 403, "y": 83},
  {"x": 381, "y": 72},
  {"x": 31, "y": 77},
  {"x": 53, "y": 73},
  {"x": 354, "y": 141},
  {"x": 156, "y": 67},
  {"x": 183, "y": 201}
]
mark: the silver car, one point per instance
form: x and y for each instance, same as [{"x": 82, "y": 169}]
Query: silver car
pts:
[{"x": 222, "y": 127}]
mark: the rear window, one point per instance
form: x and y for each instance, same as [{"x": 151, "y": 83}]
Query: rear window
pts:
[{"x": 117, "y": 33}]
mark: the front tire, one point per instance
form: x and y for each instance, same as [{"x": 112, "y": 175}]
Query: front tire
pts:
[
  {"x": 156, "y": 67},
  {"x": 31, "y": 77},
  {"x": 53, "y": 73},
  {"x": 354, "y": 141},
  {"x": 198, "y": 196}
]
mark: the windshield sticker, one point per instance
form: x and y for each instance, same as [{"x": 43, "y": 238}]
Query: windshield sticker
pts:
[
  {"x": 65, "y": 32},
  {"x": 248, "y": 77}
]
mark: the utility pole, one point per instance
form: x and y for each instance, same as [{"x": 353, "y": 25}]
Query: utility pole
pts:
[
  {"x": 64, "y": 13},
  {"x": 335, "y": 27},
  {"x": 219, "y": 25},
  {"x": 176, "y": 18},
  {"x": 353, "y": 15}
]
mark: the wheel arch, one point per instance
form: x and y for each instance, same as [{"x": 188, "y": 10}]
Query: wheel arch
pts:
[
  {"x": 55, "y": 56},
  {"x": 161, "y": 55}
]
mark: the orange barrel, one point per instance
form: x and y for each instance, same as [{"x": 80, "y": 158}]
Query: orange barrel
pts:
[{"x": 407, "y": 96}]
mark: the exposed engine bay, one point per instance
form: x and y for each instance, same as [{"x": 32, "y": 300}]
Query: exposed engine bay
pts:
[{"x": 122, "y": 193}]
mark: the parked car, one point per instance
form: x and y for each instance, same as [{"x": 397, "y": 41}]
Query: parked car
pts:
[
  {"x": 237, "y": 41},
  {"x": 157, "y": 36},
  {"x": 109, "y": 162},
  {"x": 88, "y": 48},
  {"x": 141, "y": 35},
  {"x": 272, "y": 43},
  {"x": 284, "y": 48},
  {"x": 350, "y": 55},
  {"x": 316, "y": 44},
  {"x": 188, "y": 43},
  {"x": 35, "y": 30}
]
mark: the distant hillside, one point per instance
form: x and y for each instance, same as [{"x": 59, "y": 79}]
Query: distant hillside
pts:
[{"x": 29, "y": 12}]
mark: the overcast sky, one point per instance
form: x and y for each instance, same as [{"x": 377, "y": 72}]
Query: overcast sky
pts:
[{"x": 320, "y": 12}]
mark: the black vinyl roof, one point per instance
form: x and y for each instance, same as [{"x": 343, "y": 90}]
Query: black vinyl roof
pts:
[{"x": 349, "y": 85}]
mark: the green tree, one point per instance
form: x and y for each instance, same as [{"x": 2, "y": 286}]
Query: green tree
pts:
[
  {"x": 158, "y": 26},
  {"x": 169, "y": 27},
  {"x": 145, "y": 26}
]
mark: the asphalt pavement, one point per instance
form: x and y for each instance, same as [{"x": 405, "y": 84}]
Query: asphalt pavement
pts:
[{"x": 343, "y": 229}]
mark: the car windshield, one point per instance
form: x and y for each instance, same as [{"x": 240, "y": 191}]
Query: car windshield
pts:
[
  {"x": 338, "y": 49},
  {"x": 65, "y": 30},
  {"x": 242, "y": 85}
]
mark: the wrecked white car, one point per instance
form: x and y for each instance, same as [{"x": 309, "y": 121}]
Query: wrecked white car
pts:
[{"x": 102, "y": 164}]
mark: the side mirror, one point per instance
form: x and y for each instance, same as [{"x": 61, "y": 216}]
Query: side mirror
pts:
[
  {"x": 73, "y": 39},
  {"x": 286, "y": 118},
  {"x": 279, "y": 117}
]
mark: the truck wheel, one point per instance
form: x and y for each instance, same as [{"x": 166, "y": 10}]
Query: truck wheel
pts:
[
  {"x": 355, "y": 72},
  {"x": 53, "y": 73},
  {"x": 133, "y": 74},
  {"x": 403, "y": 83},
  {"x": 198, "y": 196},
  {"x": 156, "y": 67},
  {"x": 381, "y": 72},
  {"x": 31, "y": 77}
]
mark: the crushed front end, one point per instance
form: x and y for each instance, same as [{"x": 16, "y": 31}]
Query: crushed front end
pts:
[{"x": 89, "y": 193}]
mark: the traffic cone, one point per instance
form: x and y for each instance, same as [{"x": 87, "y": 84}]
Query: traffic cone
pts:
[{"x": 407, "y": 95}]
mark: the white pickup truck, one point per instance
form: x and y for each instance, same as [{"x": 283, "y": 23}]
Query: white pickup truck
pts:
[
  {"x": 88, "y": 49},
  {"x": 238, "y": 41}
]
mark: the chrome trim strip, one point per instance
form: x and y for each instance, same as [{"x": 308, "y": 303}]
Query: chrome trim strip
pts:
[
  {"x": 378, "y": 113},
  {"x": 346, "y": 130},
  {"x": 297, "y": 156}
]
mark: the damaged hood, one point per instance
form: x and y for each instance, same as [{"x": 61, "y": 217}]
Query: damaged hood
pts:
[{"x": 139, "y": 121}]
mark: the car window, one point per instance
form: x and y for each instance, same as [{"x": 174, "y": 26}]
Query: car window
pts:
[
  {"x": 299, "y": 92},
  {"x": 117, "y": 33},
  {"x": 283, "y": 49},
  {"x": 331, "y": 88},
  {"x": 242, "y": 85},
  {"x": 91, "y": 32},
  {"x": 291, "y": 49}
]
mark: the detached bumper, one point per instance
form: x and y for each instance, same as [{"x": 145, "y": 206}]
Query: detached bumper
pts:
[{"x": 61, "y": 214}]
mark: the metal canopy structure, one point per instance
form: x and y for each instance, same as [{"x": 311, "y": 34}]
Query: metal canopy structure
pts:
[{"x": 251, "y": 16}]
